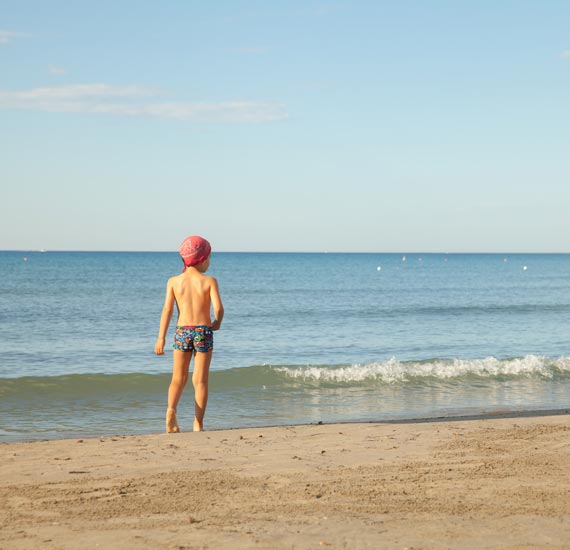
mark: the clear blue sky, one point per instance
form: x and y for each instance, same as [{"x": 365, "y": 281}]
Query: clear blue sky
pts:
[{"x": 287, "y": 126}]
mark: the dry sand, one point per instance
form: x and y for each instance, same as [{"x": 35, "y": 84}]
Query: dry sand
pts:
[{"x": 489, "y": 483}]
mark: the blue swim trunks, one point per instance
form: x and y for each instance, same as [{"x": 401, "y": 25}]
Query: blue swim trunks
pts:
[{"x": 198, "y": 338}]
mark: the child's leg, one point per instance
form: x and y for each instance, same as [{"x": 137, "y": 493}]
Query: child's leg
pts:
[
  {"x": 200, "y": 380},
  {"x": 181, "y": 362}
]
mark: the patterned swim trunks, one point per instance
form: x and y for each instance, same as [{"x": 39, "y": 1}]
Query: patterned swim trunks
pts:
[{"x": 198, "y": 338}]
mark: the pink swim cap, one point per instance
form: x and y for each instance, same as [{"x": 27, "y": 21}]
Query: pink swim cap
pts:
[{"x": 194, "y": 250}]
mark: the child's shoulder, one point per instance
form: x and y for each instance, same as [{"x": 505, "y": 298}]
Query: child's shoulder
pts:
[
  {"x": 210, "y": 279},
  {"x": 174, "y": 279}
]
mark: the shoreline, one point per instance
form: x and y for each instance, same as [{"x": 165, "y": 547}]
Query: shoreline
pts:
[
  {"x": 463, "y": 483},
  {"x": 493, "y": 414}
]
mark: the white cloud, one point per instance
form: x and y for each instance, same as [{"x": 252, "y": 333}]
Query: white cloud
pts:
[
  {"x": 7, "y": 36},
  {"x": 78, "y": 92},
  {"x": 227, "y": 111},
  {"x": 136, "y": 101}
]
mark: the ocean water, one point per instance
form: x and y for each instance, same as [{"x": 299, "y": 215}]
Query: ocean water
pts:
[{"x": 306, "y": 338}]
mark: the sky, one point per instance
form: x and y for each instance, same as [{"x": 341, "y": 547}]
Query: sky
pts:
[{"x": 349, "y": 126}]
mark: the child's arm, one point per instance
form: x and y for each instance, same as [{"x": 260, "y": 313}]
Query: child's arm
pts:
[
  {"x": 217, "y": 306},
  {"x": 165, "y": 319}
]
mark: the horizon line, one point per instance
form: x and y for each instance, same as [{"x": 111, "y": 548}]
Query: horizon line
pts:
[{"x": 42, "y": 251}]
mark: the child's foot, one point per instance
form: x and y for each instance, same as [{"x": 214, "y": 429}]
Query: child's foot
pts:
[
  {"x": 171, "y": 423},
  {"x": 198, "y": 427}
]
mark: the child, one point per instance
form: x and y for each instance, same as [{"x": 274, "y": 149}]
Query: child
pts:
[{"x": 193, "y": 293}]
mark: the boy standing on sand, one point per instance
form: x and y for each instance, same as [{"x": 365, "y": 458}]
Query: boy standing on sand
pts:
[{"x": 193, "y": 293}]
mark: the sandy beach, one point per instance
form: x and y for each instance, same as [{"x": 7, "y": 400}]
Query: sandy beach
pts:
[{"x": 471, "y": 484}]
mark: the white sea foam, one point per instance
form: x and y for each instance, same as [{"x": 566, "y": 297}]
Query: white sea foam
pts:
[{"x": 394, "y": 371}]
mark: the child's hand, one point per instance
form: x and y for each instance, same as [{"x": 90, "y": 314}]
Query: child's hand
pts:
[{"x": 159, "y": 347}]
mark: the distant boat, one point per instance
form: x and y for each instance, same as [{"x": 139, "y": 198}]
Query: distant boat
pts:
[{"x": 43, "y": 250}]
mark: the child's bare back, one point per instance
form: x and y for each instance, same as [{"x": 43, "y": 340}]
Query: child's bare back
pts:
[{"x": 192, "y": 292}]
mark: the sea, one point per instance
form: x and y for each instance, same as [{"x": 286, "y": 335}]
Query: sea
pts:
[{"x": 307, "y": 338}]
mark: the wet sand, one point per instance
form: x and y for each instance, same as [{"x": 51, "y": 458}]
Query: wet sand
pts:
[{"x": 500, "y": 483}]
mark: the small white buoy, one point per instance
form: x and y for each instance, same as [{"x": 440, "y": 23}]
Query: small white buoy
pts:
[
  {"x": 525, "y": 268},
  {"x": 403, "y": 258},
  {"x": 379, "y": 268},
  {"x": 506, "y": 260},
  {"x": 25, "y": 259}
]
